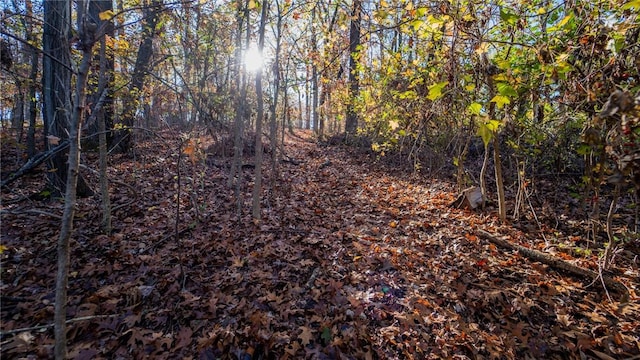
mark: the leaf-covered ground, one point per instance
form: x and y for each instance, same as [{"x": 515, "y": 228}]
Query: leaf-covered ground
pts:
[{"x": 351, "y": 261}]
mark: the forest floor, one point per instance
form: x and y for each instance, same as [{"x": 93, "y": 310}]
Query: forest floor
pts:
[{"x": 352, "y": 260}]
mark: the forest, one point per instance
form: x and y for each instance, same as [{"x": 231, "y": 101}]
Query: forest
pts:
[{"x": 333, "y": 179}]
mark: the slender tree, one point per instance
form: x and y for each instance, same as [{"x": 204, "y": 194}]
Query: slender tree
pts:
[
  {"x": 102, "y": 71},
  {"x": 142, "y": 66},
  {"x": 354, "y": 81},
  {"x": 87, "y": 35},
  {"x": 34, "y": 59},
  {"x": 257, "y": 184}
]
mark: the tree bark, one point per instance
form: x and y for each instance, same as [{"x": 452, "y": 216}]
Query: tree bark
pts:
[
  {"x": 123, "y": 141},
  {"x": 257, "y": 183},
  {"x": 101, "y": 73},
  {"x": 273, "y": 131},
  {"x": 314, "y": 73},
  {"x": 104, "y": 99},
  {"x": 62, "y": 278},
  {"x": 56, "y": 94},
  {"x": 559, "y": 264},
  {"x": 17, "y": 116},
  {"x": 351, "y": 123},
  {"x": 33, "y": 75}
]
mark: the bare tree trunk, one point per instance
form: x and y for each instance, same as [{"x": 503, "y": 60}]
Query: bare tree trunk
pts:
[
  {"x": 483, "y": 176},
  {"x": 33, "y": 74},
  {"x": 314, "y": 73},
  {"x": 241, "y": 112},
  {"x": 101, "y": 74},
  {"x": 351, "y": 123},
  {"x": 257, "y": 184},
  {"x": 239, "y": 100},
  {"x": 86, "y": 42},
  {"x": 140, "y": 71},
  {"x": 314, "y": 107},
  {"x": 17, "y": 116},
  {"x": 273, "y": 131},
  {"x": 497, "y": 163},
  {"x": 307, "y": 102},
  {"x": 56, "y": 97},
  {"x": 104, "y": 88},
  {"x": 300, "y": 112}
]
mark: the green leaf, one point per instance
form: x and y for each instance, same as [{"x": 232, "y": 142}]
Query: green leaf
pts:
[
  {"x": 422, "y": 11},
  {"x": 326, "y": 335},
  {"x": 475, "y": 108},
  {"x": 500, "y": 101},
  {"x": 508, "y": 17},
  {"x": 506, "y": 90},
  {"x": 409, "y": 94},
  {"x": 583, "y": 149},
  {"x": 564, "y": 22},
  {"x": 380, "y": 14},
  {"x": 416, "y": 23},
  {"x": 487, "y": 130},
  {"x": 435, "y": 90},
  {"x": 485, "y": 134}
]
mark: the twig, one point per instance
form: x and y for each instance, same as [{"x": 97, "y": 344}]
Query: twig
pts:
[
  {"x": 133, "y": 191},
  {"x": 31, "y": 211},
  {"x": 161, "y": 241},
  {"x": 70, "y": 321}
]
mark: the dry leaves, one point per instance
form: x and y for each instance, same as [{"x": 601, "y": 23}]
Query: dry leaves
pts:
[{"x": 350, "y": 261}]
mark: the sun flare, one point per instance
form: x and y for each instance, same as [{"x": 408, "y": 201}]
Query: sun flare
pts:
[{"x": 253, "y": 59}]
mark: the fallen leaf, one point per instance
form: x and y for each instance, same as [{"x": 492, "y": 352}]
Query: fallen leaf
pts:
[{"x": 305, "y": 336}]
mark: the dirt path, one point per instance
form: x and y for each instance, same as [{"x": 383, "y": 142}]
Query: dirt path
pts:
[{"x": 349, "y": 262}]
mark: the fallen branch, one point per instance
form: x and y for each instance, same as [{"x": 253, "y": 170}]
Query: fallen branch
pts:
[
  {"x": 42, "y": 327},
  {"x": 34, "y": 162},
  {"x": 557, "y": 263}
]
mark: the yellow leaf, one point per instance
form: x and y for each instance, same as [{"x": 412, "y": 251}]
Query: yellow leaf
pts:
[
  {"x": 500, "y": 101},
  {"x": 482, "y": 48},
  {"x": 632, "y": 4},
  {"x": 252, "y": 5},
  {"x": 393, "y": 224},
  {"x": 565, "y": 20},
  {"x": 3, "y": 248},
  {"x": 106, "y": 15}
]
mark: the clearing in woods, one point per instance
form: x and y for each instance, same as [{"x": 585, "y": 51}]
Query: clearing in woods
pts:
[{"x": 351, "y": 260}]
